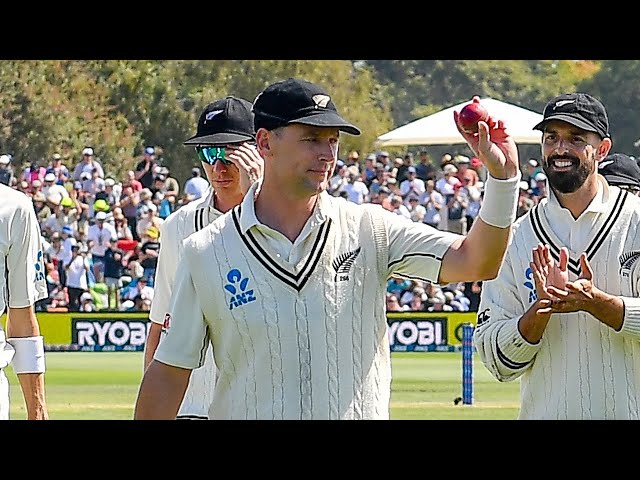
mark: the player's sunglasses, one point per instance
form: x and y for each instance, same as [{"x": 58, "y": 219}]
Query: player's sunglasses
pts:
[{"x": 211, "y": 155}]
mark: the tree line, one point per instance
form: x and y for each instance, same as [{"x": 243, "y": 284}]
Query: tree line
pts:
[{"x": 119, "y": 106}]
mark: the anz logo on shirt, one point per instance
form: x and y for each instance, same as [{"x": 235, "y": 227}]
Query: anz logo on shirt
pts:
[
  {"x": 533, "y": 296},
  {"x": 237, "y": 287},
  {"x": 39, "y": 268}
]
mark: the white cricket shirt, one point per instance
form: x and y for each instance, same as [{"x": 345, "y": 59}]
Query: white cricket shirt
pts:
[
  {"x": 190, "y": 218},
  {"x": 22, "y": 270},
  {"x": 581, "y": 368},
  {"x": 299, "y": 331}
]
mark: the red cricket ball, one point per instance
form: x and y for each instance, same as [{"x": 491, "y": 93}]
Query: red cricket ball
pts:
[{"x": 470, "y": 115}]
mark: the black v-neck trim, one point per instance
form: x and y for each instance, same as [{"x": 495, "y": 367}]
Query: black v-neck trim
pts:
[
  {"x": 295, "y": 281},
  {"x": 547, "y": 238}
]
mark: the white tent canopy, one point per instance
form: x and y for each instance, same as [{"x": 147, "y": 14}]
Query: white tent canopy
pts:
[{"x": 440, "y": 129}]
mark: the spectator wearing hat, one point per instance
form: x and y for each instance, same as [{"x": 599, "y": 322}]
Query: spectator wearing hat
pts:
[
  {"x": 87, "y": 165},
  {"x": 403, "y": 169},
  {"x": 399, "y": 208},
  {"x": 6, "y": 170},
  {"x": 539, "y": 191},
  {"x": 196, "y": 186},
  {"x": 43, "y": 210},
  {"x": 148, "y": 218},
  {"x": 533, "y": 168},
  {"x": 525, "y": 203},
  {"x": 172, "y": 186},
  {"x": 466, "y": 174},
  {"x": 621, "y": 171},
  {"x": 35, "y": 187},
  {"x": 63, "y": 214},
  {"x": 59, "y": 169},
  {"x": 411, "y": 185},
  {"x": 145, "y": 168},
  {"x": 108, "y": 193},
  {"x": 51, "y": 186},
  {"x": 457, "y": 205},
  {"x": 352, "y": 158},
  {"x": 34, "y": 172},
  {"x": 149, "y": 251},
  {"x": 98, "y": 238},
  {"x": 76, "y": 276},
  {"x": 369, "y": 172}
]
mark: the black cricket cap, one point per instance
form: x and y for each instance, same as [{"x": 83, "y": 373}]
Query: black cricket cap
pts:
[
  {"x": 579, "y": 109},
  {"x": 297, "y": 101},
  {"x": 228, "y": 120},
  {"x": 620, "y": 169}
]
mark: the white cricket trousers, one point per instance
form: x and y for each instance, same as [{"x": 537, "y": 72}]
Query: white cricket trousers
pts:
[{"x": 4, "y": 396}]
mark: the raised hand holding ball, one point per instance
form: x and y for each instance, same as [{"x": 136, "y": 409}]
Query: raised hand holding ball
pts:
[{"x": 471, "y": 114}]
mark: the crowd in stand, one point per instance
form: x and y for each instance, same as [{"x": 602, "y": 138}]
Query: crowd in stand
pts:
[{"x": 102, "y": 234}]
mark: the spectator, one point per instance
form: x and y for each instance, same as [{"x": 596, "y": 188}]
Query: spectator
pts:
[
  {"x": 339, "y": 179},
  {"x": 352, "y": 158},
  {"x": 34, "y": 172},
  {"x": 108, "y": 194},
  {"x": 113, "y": 271},
  {"x": 407, "y": 162},
  {"x": 416, "y": 210},
  {"x": 357, "y": 192},
  {"x": 457, "y": 205},
  {"x": 149, "y": 251},
  {"x": 145, "y": 169},
  {"x": 466, "y": 174},
  {"x": 98, "y": 237},
  {"x": 50, "y": 186},
  {"x": 64, "y": 213},
  {"x": 43, "y": 210},
  {"x": 131, "y": 180},
  {"x": 6, "y": 170},
  {"x": 129, "y": 201},
  {"x": 411, "y": 185},
  {"x": 148, "y": 218},
  {"x": 60, "y": 170},
  {"x": 525, "y": 203},
  {"x": 433, "y": 202},
  {"x": 86, "y": 303},
  {"x": 141, "y": 289},
  {"x": 196, "y": 186},
  {"x": 533, "y": 168},
  {"x": 393, "y": 305},
  {"x": 87, "y": 165},
  {"x": 76, "y": 276},
  {"x": 425, "y": 169},
  {"x": 540, "y": 190}
]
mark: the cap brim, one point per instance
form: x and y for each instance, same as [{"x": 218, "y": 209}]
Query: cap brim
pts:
[
  {"x": 219, "y": 139},
  {"x": 328, "y": 119},
  {"x": 569, "y": 119},
  {"x": 620, "y": 180}
]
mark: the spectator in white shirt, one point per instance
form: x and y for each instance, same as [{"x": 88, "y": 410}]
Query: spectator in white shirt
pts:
[
  {"x": 76, "y": 271},
  {"x": 412, "y": 185},
  {"x": 433, "y": 202},
  {"x": 50, "y": 186},
  {"x": 357, "y": 191},
  {"x": 99, "y": 236},
  {"x": 196, "y": 186}
]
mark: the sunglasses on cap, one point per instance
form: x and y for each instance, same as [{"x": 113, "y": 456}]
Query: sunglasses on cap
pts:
[{"x": 211, "y": 155}]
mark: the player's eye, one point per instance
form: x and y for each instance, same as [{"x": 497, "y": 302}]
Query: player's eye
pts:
[{"x": 211, "y": 155}]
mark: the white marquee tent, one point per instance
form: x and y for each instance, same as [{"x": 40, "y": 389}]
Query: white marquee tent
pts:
[{"x": 439, "y": 128}]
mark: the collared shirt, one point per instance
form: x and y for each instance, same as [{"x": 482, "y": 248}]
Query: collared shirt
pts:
[
  {"x": 298, "y": 328},
  {"x": 581, "y": 368}
]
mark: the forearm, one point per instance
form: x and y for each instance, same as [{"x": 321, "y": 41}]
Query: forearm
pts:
[
  {"x": 608, "y": 309},
  {"x": 153, "y": 339},
  {"x": 161, "y": 392},
  {"x": 532, "y": 324}
]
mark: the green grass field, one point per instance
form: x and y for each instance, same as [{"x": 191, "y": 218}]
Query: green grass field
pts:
[{"x": 103, "y": 386}]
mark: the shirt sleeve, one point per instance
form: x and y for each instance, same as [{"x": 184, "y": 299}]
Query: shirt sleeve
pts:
[
  {"x": 185, "y": 338},
  {"x": 416, "y": 249},
  {"x": 168, "y": 257},
  {"x": 501, "y": 347},
  {"x": 25, "y": 262}
]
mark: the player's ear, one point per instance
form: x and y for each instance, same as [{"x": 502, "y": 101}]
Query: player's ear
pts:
[{"x": 263, "y": 141}]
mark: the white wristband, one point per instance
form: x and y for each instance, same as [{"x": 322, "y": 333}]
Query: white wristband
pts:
[
  {"x": 500, "y": 202},
  {"x": 29, "y": 356}
]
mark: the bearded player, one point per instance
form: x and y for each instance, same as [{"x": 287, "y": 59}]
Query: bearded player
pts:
[{"x": 224, "y": 145}]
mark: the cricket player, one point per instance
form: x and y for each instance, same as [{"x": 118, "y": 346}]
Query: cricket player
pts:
[
  {"x": 289, "y": 286},
  {"x": 22, "y": 284},
  {"x": 224, "y": 143},
  {"x": 563, "y": 316}
]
